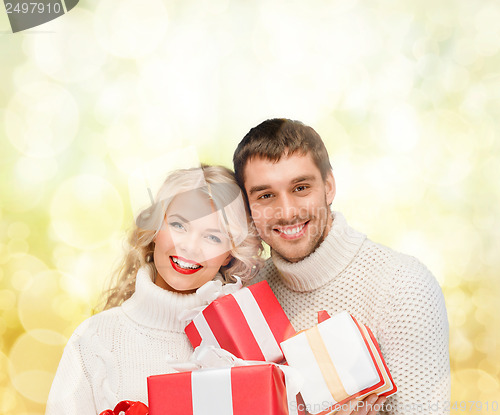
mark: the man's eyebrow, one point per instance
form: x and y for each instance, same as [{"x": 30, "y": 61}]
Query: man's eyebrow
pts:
[
  {"x": 255, "y": 189},
  {"x": 303, "y": 179}
]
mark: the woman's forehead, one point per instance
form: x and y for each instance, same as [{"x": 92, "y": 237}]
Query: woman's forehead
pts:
[{"x": 191, "y": 205}]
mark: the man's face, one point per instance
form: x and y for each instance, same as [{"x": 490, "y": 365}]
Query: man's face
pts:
[{"x": 289, "y": 202}]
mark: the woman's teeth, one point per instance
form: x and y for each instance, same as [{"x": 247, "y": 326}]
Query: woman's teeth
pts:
[{"x": 185, "y": 265}]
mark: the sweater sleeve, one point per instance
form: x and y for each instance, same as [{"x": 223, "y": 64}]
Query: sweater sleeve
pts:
[
  {"x": 415, "y": 342},
  {"x": 71, "y": 391}
]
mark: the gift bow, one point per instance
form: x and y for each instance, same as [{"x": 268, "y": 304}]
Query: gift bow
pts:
[
  {"x": 209, "y": 292},
  {"x": 127, "y": 407},
  {"x": 208, "y": 356}
]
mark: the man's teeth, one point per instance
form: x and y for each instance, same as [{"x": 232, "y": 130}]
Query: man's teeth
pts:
[
  {"x": 292, "y": 231},
  {"x": 183, "y": 264}
]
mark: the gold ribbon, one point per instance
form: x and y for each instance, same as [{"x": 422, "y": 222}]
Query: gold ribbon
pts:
[{"x": 330, "y": 375}]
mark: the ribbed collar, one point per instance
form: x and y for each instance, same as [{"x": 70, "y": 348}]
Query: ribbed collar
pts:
[
  {"x": 326, "y": 262},
  {"x": 155, "y": 307}
]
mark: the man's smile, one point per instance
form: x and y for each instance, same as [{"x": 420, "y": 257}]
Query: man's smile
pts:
[{"x": 292, "y": 231}]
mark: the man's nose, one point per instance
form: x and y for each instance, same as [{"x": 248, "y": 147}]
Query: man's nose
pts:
[{"x": 287, "y": 207}]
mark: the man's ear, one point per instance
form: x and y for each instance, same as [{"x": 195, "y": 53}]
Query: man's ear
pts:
[{"x": 330, "y": 187}]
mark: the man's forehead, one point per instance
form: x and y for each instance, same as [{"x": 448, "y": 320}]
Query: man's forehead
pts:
[{"x": 289, "y": 168}]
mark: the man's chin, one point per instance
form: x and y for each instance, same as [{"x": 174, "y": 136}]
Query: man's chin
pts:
[{"x": 293, "y": 255}]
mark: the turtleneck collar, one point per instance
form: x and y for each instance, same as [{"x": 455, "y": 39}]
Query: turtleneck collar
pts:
[
  {"x": 156, "y": 307},
  {"x": 326, "y": 262}
]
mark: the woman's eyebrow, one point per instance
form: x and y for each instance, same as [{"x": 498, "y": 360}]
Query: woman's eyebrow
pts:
[
  {"x": 177, "y": 216},
  {"x": 215, "y": 231},
  {"x": 186, "y": 221}
]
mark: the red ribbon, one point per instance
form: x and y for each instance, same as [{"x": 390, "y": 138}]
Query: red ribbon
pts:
[{"x": 128, "y": 408}]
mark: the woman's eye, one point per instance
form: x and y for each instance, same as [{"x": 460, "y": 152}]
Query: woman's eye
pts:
[
  {"x": 177, "y": 225},
  {"x": 214, "y": 238}
]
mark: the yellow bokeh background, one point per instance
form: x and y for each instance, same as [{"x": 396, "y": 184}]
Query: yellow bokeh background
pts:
[{"x": 405, "y": 94}]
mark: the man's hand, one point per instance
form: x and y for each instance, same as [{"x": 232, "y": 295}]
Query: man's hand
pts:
[{"x": 369, "y": 406}]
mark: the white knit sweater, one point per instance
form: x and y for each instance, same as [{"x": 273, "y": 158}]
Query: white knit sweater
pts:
[
  {"x": 394, "y": 294},
  {"x": 110, "y": 355}
]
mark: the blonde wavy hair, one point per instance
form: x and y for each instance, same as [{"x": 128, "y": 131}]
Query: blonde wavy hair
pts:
[{"x": 222, "y": 189}]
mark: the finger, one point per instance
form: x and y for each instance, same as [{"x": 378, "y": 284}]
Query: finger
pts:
[
  {"x": 366, "y": 405},
  {"x": 348, "y": 408},
  {"x": 377, "y": 406}
]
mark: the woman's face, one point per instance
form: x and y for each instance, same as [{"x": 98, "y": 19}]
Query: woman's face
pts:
[{"x": 191, "y": 245}]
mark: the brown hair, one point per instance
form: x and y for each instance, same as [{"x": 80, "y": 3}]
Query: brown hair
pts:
[
  {"x": 246, "y": 260},
  {"x": 278, "y": 137}
]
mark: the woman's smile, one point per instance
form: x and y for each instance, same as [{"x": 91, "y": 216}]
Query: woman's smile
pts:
[{"x": 184, "y": 266}]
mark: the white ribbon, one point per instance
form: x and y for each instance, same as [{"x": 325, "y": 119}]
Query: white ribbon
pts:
[
  {"x": 208, "y": 356},
  {"x": 258, "y": 325},
  {"x": 208, "y": 292}
]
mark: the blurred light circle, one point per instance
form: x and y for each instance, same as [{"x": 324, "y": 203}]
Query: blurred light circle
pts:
[
  {"x": 41, "y": 119},
  {"x": 21, "y": 268},
  {"x": 456, "y": 78},
  {"x": 16, "y": 246},
  {"x": 461, "y": 346},
  {"x": 475, "y": 385},
  {"x": 38, "y": 304},
  {"x": 19, "y": 195},
  {"x": 34, "y": 170},
  {"x": 88, "y": 272},
  {"x": 18, "y": 230},
  {"x": 33, "y": 360},
  {"x": 71, "y": 53},
  {"x": 20, "y": 279},
  {"x": 117, "y": 94},
  {"x": 130, "y": 29},
  {"x": 139, "y": 136},
  {"x": 86, "y": 211},
  {"x": 4, "y": 368},
  {"x": 7, "y": 299},
  {"x": 447, "y": 149},
  {"x": 10, "y": 402},
  {"x": 488, "y": 32}
]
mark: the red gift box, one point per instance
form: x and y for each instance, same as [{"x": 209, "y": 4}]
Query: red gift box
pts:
[
  {"x": 249, "y": 323},
  {"x": 241, "y": 390}
]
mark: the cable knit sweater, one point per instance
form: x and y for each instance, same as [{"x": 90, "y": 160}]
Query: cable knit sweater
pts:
[
  {"x": 110, "y": 355},
  {"x": 394, "y": 294}
]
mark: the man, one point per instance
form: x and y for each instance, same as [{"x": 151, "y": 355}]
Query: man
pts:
[{"x": 319, "y": 262}]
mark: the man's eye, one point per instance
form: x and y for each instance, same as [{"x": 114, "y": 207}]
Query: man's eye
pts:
[
  {"x": 177, "y": 225},
  {"x": 265, "y": 196},
  {"x": 300, "y": 188}
]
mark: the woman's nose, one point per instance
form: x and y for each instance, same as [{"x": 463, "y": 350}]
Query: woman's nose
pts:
[{"x": 188, "y": 244}]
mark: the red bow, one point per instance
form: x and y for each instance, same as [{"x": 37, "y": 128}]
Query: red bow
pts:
[{"x": 128, "y": 408}]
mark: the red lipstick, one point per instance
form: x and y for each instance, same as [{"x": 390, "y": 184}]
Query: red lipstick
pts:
[{"x": 175, "y": 261}]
